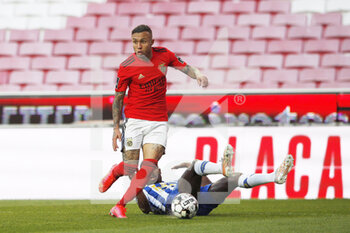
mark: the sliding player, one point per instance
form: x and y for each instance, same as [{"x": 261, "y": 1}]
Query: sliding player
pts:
[{"x": 156, "y": 198}]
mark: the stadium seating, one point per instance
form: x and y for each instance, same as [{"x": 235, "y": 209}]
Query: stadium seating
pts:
[{"x": 76, "y": 45}]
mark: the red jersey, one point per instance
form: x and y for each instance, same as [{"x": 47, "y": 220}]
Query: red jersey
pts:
[{"x": 147, "y": 84}]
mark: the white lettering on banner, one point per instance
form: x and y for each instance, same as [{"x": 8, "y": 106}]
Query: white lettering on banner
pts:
[{"x": 322, "y": 164}]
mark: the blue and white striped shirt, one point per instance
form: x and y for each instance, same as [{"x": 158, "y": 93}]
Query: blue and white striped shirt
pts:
[{"x": 158, "y": 196}]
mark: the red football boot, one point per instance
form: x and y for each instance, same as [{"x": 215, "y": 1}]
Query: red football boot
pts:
[
  {"x": 118, "y": 211},
  {"x": 107, "y": 181}
]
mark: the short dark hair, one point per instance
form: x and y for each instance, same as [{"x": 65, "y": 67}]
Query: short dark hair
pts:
[{"x": 142, "y": 28}]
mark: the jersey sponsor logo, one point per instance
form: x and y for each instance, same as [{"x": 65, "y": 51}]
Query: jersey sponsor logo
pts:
[
  {"x": 141, "y": 76},
  {"x": 128, "y": 61},
  {"x": 179, "y": 59},
  {"x": 154, "y": 85}
]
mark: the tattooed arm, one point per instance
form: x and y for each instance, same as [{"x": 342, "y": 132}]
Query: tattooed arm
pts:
[
  {"x": 117, "y": 113},
  {"x": 194, "y": 73}
]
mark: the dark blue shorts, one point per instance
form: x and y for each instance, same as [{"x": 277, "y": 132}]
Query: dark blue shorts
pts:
[{"x": 205, "y": 209}]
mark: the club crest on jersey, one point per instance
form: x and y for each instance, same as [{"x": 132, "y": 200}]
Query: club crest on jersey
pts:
[
  {"x": 129, "y": 142},
  {"x": 141, "y": 76},
  {"x": 162, "y": 68}
]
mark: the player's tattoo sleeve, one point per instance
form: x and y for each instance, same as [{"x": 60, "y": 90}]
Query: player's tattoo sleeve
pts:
[
  {"x": 191, "y": 71},
  {"x": 117, "y": 107}
]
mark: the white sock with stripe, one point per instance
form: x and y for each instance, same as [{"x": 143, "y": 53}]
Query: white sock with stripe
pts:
[
  {"x": 253, "y": 180},
  {"x": 203, "y": 168}
]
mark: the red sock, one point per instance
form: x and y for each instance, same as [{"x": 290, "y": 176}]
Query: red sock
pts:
[
  {"x": 139, "y": 181},
  {"x": 124, "y": 169}
]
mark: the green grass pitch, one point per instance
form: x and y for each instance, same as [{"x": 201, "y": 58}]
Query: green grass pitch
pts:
[{"x": 248, "y": 216}]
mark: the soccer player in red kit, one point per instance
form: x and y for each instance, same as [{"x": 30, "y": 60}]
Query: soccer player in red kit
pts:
[{"x": 146, "y": 113}]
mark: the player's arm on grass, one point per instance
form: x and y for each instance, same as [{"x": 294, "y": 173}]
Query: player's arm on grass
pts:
[
  {"x": 194, "y": 73},
  {"x": 205, "y": 180},
  {"x": 117, "y": 114}
]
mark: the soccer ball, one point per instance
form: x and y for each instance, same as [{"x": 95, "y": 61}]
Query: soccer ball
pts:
[{"x": 184, "y": 205}]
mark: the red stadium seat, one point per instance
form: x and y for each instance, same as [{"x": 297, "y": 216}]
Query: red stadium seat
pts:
[
  {"x": 98, "y": 77},
  {"x": 63, "y": 35},
  {"x": 79, "y": 87},
  {"x": 134, "y": 8},
  {"x": 234, "y": 33},
  {"x": 70, "y": 49},
  {"x": 8, "y": 49},
  {"x": 40, "y": 88},
  {"x": 113, "y": 62},
  {"x": 210, "y": 7},
  {"x": 216, "y": 77},
  {"x": 155, "y": 21},
  {"x": 106, "y": 48},
  {"x": 84, "y": 63},
  {"x": 213, "y": 47},
  {"x": 102, "y": 9},
  {"x": 254, "y": 20},
  {"x": 2, "y": 35},
  {"x": 26, "y": 77},
  {"x": 249, "y": 47},
  {"x": 345, "y": 47},
  {"x": 290, "y": 20},
  {"x": 310, "y": 85},
  {"x": 119, "y": 34},
  {"x": 337, "y": 32},
  {"x": 95, "y": 34},
  {"x": 327, "y": 19},
  {"x": 169, "y": 8},
  {"x": 3, "y": 77},
  {"x": 24, "y": 35},
  {"x": 128, "y": 49},
  {"x": 274, "y": 6},
  {"x": 344, "y": 75},
  {"x": 48, "y": 63},
  {"x": 63, "y": 77},
  {"x": 269, "y": 32},
  {"x": 321, "y": 46},
  {"x": 35, "y": 49},
  {"x": 285, "y": 46},
  {"x": 334, "y": 85},
  {"x": 228, "y": 61},
  {"x": 218, "y": 20},
  {"x": 166, "y": 33},
  {"x": 14, "y": 63},
  {"x": 199, "y": 61},
  {"x": 302, "y": 61},
  {"x": 180, "y": 47},
  {"x": 280, "y": 76},
  {"x": 200, "y": 33},
  {"x": 184, "y": 21},
  {"x": 239, "y": 7},
  {"x": 335, "y": 60},
  {"x": 265, "y": 61},
  {"x": 311, "y": 32},
  {"x": 176, "y": 77},
  {"x": 10, "y": 88},
  {"x": 81, "y": 22},
  {"x": 317, "y": 75},
  {"x": 243, "y": 75},
  {"x": 260, "y": 85},
  {"x": 115, "y": 21}
]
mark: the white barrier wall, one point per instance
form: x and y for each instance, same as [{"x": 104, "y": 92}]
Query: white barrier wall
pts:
[{"x": 67, "y": 163}]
